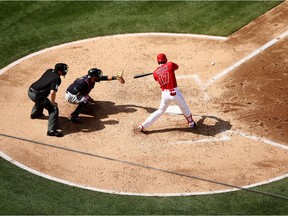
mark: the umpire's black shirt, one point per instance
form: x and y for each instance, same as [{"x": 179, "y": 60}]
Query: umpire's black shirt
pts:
[{"x": 47, "y": 82}]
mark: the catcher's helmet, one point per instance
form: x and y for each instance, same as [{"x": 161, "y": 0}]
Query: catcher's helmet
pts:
[
  {"x": 161, "y": 58},
  {"x": 61, "y": 67},
  {"x": 95, "y": 72}
]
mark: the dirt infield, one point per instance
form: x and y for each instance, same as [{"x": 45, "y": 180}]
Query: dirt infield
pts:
[{"x": 240, "y": 104}]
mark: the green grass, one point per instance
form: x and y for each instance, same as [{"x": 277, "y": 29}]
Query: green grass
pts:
[
  {"x": 26, "y": 27},
  {"x": 25, "y": 193}
]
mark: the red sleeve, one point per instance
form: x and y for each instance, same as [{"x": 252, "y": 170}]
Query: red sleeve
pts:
[
  {"x": 155, "y": 75},
  {"x": 174, "y": 66}
]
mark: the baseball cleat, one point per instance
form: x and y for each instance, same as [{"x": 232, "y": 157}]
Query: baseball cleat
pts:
[
  {"x": 192, "y": 125},
  {"x": 140, "y": 128}
]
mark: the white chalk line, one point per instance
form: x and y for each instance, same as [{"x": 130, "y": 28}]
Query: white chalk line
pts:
[
  {"x": 197, "y": 80},
  {"x": 263, "y": 140},
  {"x": 221, "y": 139},
  {"x": 224, "y": 137},
  {"x": 195, "y": 77},
  {"x": 243, "y": 60},
  {"x": 208, "y": 140},
  {"x": 203, "y": 86},
  {"x": 235, "y": 65},
  {"x": 51, "y": 178}
]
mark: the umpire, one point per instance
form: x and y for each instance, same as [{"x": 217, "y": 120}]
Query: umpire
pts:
[{"x": 40, "y": 90}]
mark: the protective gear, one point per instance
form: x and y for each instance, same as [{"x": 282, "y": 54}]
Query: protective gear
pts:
[
  {"x": 86, "y": 98},
  {"x": 77, "y": 99},
  {"x": 61, "y": 67},
  {"x": 161, "y": 58},
  {"x": 120, "y": 77},
  {"x": 95, "y": 72}
]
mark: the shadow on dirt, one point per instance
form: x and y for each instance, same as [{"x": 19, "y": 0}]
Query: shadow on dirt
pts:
[
  {"x": 202, "y": 128},
  {"x": 97, "y": 115}
]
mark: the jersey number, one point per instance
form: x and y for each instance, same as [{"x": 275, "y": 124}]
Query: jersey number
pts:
[{"x": 164, "y": 78}]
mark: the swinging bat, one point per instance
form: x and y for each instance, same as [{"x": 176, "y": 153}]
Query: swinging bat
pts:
[{"x": 142, "y": 75}]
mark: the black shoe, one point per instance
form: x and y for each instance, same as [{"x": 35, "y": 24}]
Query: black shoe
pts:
[
  {"x": 74, "y": 119},
  {"x": 33, "y": 116},
  {"x": 55, "y": 133}
]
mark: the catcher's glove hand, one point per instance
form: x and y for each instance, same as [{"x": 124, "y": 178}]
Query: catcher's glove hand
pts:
[{"x": 120, "y": 77}]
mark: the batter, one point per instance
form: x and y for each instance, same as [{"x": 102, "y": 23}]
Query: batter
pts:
[{"x": 165, "y": 76}]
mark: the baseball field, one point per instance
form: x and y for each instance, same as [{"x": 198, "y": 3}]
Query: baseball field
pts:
[{"x": 233, "y": 72}]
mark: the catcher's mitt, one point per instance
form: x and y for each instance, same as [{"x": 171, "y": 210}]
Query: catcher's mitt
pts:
[{"x": 120, "y": 77}]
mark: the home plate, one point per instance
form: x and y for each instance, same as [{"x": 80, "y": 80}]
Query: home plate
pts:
[{"x": 174, "y": 110}]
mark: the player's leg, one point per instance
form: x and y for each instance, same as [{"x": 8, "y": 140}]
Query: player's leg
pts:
[
  {"x": 74, "y": 117},
  {"x": 53, "y": 125},
  {"x": 165, "y": 101},
  {"x": 37, "y": 109},
  {"x": 81, "y": 100},
  {"x": 180, "y": 101}
]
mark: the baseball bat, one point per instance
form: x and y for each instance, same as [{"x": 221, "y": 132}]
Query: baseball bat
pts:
[{"x": 142, "y": 75}]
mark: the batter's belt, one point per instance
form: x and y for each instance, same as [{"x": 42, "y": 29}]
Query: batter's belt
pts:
[{"x": 172, "y": 91}]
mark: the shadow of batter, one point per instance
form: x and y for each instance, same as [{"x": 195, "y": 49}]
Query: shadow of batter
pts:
[{"x": 202, "y": 128}]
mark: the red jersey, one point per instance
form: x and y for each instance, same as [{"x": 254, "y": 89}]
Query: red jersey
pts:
[{"x": 165, "y": 75}]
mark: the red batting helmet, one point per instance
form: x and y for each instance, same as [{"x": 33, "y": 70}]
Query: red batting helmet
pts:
[{"x": 161, "y": 58}]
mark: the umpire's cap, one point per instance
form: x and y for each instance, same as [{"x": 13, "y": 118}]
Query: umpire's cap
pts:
[
  {"x": 61, "y": 67},
  {"x": 95, "y": 72}
]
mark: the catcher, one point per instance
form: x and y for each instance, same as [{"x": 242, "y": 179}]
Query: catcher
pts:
[{"x": 78, "y": 91}]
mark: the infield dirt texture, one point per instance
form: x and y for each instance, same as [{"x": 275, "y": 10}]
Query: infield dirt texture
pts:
[{"x": 236, "y": 88}]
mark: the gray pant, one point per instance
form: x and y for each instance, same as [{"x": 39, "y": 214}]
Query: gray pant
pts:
[{"x": 41, "y": 103}]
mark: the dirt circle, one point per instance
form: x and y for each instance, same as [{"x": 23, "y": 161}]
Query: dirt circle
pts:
[{"x": 105, "y": 153}]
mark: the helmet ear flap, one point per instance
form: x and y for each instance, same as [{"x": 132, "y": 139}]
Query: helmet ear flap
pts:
[
  {"x": 89, "y": 73},
  {"x": 94, "y": 72}
]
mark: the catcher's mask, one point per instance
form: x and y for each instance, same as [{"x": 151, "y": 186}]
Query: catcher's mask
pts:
[
  {"x": 95, "y": 72},
  {"x": 161, "y": 58},
  {"x": 61, "y": 67}
]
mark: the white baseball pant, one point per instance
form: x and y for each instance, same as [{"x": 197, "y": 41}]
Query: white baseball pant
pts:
[
  {"x": 76, "y": 99},
  {"x": 167, "y": 98}
]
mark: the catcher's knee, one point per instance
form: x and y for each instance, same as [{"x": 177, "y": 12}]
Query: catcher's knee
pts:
[{"x": 71, "y": 98}]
